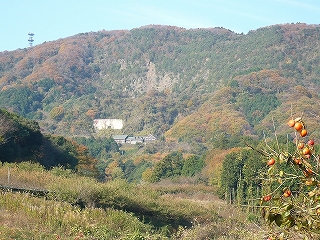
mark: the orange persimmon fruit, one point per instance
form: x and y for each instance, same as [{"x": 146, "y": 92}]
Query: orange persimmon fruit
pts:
[{"x": 298, "y": 126}]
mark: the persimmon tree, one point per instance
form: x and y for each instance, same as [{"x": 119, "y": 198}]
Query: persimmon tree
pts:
[{"x": 291, "y": 182}]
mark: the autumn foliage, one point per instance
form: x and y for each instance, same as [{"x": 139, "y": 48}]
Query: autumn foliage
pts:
[{"x": 291, "y": 183}]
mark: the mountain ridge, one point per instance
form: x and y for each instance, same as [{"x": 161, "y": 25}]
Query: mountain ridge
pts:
[{"x": 154, "y": 76}]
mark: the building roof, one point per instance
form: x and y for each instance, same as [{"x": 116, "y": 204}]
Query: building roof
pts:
[
  {"x": 150, "y": 137},
  {"x": 119, "y": 137}
]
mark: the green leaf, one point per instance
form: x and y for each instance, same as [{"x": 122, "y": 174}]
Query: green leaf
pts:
[
  {"x": 285, "y": 214},
  {"x": 278, "y": 220}
]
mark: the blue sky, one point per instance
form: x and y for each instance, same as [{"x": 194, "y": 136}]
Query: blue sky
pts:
[{"x": 54, "y": 19}]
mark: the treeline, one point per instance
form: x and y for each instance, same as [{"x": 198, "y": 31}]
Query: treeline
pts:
[
  {"x": 236, "y": 174},
  {"x": 243, "y": 170},
  {"x": 22, "y": 140}
]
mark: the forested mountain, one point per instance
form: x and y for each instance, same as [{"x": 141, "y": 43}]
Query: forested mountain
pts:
[{"x": 196, "y": 85}]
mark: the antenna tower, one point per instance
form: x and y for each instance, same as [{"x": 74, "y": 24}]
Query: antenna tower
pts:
[{"x": 30, "y": 38}]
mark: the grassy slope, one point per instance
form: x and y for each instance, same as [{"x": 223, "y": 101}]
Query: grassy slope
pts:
[{"x": 81, "y": 208}]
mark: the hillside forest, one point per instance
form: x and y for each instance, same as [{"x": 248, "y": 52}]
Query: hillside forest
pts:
[{"x": 218, "y": 103}]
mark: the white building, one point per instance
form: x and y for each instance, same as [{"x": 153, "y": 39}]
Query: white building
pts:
[{"x": 100, "y": 124}]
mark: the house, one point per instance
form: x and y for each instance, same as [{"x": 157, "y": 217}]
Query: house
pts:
[
  {"x": 150, "y": 138},
  {"x": 134, "y": 140},
  {"x": 120, "y": 139}
]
